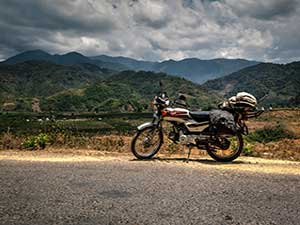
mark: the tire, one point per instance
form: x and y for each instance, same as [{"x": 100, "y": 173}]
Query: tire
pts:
[
  {"x": 152, "y": 150},
  {"x": 237, "y": 150}
]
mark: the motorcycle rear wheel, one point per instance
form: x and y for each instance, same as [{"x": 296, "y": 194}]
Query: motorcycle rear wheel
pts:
[
  {"x": 230, "y": 154},
  {"x": 147, "y": 142}
]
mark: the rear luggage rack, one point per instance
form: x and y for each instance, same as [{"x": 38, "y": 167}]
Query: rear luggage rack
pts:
[{"x": 254, "y": 114}]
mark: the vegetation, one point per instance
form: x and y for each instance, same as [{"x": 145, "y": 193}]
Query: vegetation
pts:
[
  {"x": 277, "y": 84},
  {"x": 22, "y": 82},
  {"x": 113, "y": 132},
  {"x": 269, "y": 134},
  {"x": 248, "y": 148},
  {"x": 36, "y": 142},
  {"x": 34, "y": 131},
  {"x": 86, "y": 88}
]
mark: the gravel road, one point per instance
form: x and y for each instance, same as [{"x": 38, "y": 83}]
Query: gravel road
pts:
[{"x": 66, "y": 189}]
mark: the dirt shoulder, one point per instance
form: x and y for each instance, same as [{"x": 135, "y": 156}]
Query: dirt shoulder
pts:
[{"x": 247, "y": 164}]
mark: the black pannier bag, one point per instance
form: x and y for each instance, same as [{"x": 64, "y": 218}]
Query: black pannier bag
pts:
[{"x": 222, "y": 122}]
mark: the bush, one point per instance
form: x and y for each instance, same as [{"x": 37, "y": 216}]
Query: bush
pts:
[
  {"x": 34, "y": 142},
  {"x": 268, "y": 134},
  {"x": 30, "y": 143},
  {"x": 248, "y": 147},
  {"x": 42, "y": 140}
]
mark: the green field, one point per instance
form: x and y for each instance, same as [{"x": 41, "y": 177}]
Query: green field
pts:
[{"x": 32, "y": 124}]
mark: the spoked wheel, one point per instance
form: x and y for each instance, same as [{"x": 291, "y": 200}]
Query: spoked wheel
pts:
[
  {"x": 227, "y": 149},
  {"x": 147, "y": 142}
]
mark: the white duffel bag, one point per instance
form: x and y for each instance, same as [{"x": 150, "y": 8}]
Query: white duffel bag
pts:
[{"x": 243, "y": 99}]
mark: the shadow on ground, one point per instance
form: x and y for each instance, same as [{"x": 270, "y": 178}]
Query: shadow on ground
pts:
[{"x": 181, "y": 159}]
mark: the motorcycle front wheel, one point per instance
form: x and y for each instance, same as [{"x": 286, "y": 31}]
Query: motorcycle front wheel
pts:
[
  {"x": 147, "y": 142},
  {"x": 233, "y": 146}
]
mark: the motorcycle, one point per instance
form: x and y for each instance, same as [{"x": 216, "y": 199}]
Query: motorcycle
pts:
[{"x": 219, "y": 132}]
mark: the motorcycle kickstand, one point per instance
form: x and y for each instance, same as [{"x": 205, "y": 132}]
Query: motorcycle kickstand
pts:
[{"x": 189, "y": 153}]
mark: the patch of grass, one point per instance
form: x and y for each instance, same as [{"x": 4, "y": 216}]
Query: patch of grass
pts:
[
  {"x": 36, "y": 142},
  {"x": 269, "y": 134},
  {"x": 108, "y": 143},
  {"x": 30, "y": 143},
  {"x": 171, "y": 148},
  {"x": 26, "y": 125},
  {"x": 42, "y": 140},
  {"x": 248, "y": 149}
]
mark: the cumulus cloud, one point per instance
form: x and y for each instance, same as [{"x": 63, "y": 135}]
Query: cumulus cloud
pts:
[{"x": 266, "y": 30}]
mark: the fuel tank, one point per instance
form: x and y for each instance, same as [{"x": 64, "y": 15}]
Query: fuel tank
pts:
[
  {"x": 176, "y": 114},
  {"x": 181, "y": 115}
]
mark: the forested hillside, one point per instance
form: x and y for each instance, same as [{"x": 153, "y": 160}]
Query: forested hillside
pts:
[
  {"x": 276, "y": 84},
  {"x": 88, "y": 88},
  {"x": 130, "y": 91}
]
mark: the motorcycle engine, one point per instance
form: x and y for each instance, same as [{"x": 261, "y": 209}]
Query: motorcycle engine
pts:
[
  {"x": 174, "y": 136},
  {"x": 191, "y": 139}
]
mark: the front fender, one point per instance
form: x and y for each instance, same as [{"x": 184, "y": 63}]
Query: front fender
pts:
[{"x": 144, "y": 125}]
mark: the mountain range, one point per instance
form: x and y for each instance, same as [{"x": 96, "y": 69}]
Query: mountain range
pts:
[
  {"x": 193, "y": 69},
  {"x": 71, "y": 58},
  {"x": 74, "y": 82}
]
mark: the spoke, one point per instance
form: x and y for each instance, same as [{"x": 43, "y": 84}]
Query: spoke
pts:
[
  {"x": 230, "y": 151},
  {"x": 148, "y": 141}
]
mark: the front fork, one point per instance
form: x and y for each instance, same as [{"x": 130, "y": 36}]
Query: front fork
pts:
[{"x": 156, "y": 123}]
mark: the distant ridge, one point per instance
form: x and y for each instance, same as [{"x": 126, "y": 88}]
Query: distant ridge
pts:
[
  {"x": 71, "y": 58},
  {"x": 193, "y": 69}
]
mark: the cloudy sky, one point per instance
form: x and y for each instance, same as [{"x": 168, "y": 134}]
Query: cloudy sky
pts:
[{"x": 266, "y": 30}]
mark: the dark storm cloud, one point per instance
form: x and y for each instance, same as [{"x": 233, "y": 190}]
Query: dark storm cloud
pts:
[
  {"x": 154, "y": 29},
  {"x": 265, "y": 10},
  {"x": 47, "y": 24},
  {"x": 54, "y": 15}
]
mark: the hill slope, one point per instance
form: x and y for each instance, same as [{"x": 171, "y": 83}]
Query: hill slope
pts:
[
  {"x": 130, "y": 91},
  {"x": 39, "y": 78},
  {"x": 276, "y": 84},
  {"x": 88, "y": 88}
]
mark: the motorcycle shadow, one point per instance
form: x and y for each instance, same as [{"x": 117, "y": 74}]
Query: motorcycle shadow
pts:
[{"x": 185, "y": 160}]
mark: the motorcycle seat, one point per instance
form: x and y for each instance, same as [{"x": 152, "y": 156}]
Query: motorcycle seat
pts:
[{"x": 200, "y": 116}]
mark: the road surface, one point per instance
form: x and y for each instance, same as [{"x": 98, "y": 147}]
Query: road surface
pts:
[{"x": 71, "y": 189}]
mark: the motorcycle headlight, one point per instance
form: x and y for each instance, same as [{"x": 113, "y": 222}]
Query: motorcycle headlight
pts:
[{"x": 153, "y": 104}]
